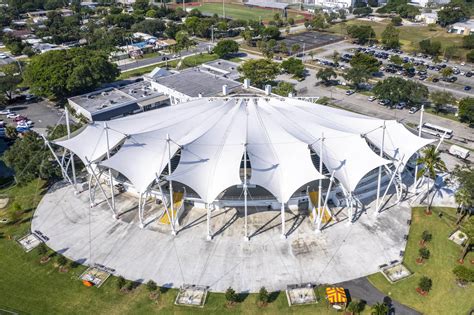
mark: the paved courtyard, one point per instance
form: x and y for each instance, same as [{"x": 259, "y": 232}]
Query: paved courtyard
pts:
[{"x": 341, "y": 252}]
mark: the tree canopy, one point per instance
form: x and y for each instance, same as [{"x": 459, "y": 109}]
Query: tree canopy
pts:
[
  {"x": 293, "y": 66},
  {"x": 61, "y": 73},
  {"x": 466, "y": 110},
  {"x": 453, "y": 12},
  {"x": 226, "y": 47},
  {"x": 390, "y": 37},
  {"x": 429, "y": 47},
  {"x": 363, "y": 33},
  {"x": 260, "y": 71},
  {"x": 396, "y": 89},
  {"x": 326, "y": 74}
]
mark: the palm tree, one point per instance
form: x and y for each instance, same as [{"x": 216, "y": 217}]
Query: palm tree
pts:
[
  {"x": 432, "y": 163},
  {"x": 379, "y": 309}
]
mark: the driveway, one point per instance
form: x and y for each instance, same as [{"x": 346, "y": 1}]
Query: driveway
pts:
[{"x": 363, "y": 290}]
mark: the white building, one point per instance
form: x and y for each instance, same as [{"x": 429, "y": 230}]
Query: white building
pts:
[
  {"x": 462, "y": 28},
  {"x": 427, "y": 18},
  {"x": 425, "y": 3}
]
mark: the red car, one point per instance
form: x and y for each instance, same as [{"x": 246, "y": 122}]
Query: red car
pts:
[{"x": 20, "y": 118}]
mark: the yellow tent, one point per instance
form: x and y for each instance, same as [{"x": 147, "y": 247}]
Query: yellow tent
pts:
[{"x": 336, "y": 295}]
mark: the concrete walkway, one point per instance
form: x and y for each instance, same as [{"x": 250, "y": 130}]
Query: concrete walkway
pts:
[{"x": 342, "y": 252}]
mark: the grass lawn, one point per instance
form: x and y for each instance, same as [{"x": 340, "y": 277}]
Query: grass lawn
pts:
[
  {"x": 145, "y": 70},
  {"x": 410, "y": 36},
  {"x": 28, "y": 287},
  {"x": 196, "y": 60},
  {"x": 446, "y": 297},
  {"x": 241, "y": 12}
]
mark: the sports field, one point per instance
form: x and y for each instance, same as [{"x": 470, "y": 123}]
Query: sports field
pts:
[{"x": 241, "y": 12}]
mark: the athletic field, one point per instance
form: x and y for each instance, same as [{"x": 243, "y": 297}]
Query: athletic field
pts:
[{"x": 237, "y": 12}]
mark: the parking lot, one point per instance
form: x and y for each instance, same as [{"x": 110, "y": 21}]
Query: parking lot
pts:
[{"x": 41, "y": 113}]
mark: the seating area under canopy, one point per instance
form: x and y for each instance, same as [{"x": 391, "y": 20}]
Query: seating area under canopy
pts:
[{"x": 214, "y": 136}]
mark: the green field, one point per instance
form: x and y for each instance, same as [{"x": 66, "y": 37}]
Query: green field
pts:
[
  {"x": 240, "y": 12},
  {"x": 410, "y": 36},
  {"x": 446, "y": 297}
]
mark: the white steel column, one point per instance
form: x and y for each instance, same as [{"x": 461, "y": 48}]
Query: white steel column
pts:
[
  {"x": 73, "y": 167},
  {"x": 163, "y": 199},
  {"x": 415, "y": 181},
  {"x": 389, "y": 183},
  {"x": 331, "y": 179},
  {"x": 89, "y": 164},
  {"x": 283, "y": 229},
  {"x": 111, "y": 181},
  {"x": 379, "y": 180},
  {"x": 140, "y": 217},
  {"x": 320, "y": 187},
  {"x": 351, "y": 209},
  {"x": 170, "y": 184},
  {"x": 63, "y": 171},
  {"x": 246, "y": 236},
  {"x": 208, "y": 214}
]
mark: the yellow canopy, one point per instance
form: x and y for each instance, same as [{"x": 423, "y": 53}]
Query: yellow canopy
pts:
[{"x": 336, "y": 295}]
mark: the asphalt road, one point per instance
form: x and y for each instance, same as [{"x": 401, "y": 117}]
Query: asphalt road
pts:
[
  {"x": 138, "y": 63},
  {"x": 363, "y": 290}
]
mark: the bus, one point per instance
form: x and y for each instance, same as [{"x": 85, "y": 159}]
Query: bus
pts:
[{"x": 437, "y": 131}]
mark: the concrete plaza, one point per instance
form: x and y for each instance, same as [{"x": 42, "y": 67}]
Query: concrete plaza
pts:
[{"x": 341, "y": 252}]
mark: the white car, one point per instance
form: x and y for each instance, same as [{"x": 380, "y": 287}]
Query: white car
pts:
[
  {"x": 372, "y": 98},
  {"x": 5, "y": 112},
  {"x": 24, "y": 123},
  {"x": 3, "y": 56},
  {"x": 13, "y": 115}
]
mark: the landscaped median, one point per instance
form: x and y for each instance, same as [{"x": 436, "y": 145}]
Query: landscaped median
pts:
[{"x": 445, "y": 296}]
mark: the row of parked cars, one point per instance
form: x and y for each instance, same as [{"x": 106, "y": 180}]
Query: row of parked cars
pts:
[{"x": 23, "y": 124}]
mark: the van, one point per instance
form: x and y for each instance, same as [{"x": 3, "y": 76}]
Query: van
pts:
[{"x": 459, "y": 152}]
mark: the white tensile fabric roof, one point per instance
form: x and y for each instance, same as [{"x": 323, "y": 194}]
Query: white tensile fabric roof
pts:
[{"x": 213, "y": 135}]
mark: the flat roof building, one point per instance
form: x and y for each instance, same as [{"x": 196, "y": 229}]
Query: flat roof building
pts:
[
  {"x": 463, "y": 28},
  {"x": 116, "y": 102},
  {"x": 225, "y": 68}
]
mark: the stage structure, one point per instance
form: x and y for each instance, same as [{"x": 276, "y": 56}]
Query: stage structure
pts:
[{"x": 211, "y": 145}]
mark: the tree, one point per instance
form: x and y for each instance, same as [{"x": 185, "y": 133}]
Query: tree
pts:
[
  {"x": 61, "y": 260},
  {"x": 453, "y": 12},
  {"x": 61, "y": 73},
  {"x": 464, "y": 196},
  {"x": 141, "y": 5},
  {"x": 10, "y": 77},
  {"x": 430, "y": 48},
  {"x": 260, "y": 71},
  {"x": 284, "y": 88},
  {"x": 336, "y": 56},
  {"x": 397, "y": 21},
  {"x": 357, "y": 76},
  {"x": 363, "y": 33},
  {"x": 319, "y": 22},
  {"x": 379, "y": 309},
  {"x": 271, "y": 32},
  {"x": 463, "y": 275},
  {"x": 355, "y": 307},
  {"x": 30, "y": 159},
  {"x": 466, "y": 110},
  {"x": 263, "y": 296},
  {"x": 424, "y": 253},
  {"x": 151, "y": 286},
  {"x": 121, "y": 282},
  {"x": 283, "y": 48},
  {"x": 446, "y": 72},
  {"x": 470, "y": 56},
  {"x": 154, "y": 27},
  {"x": 468, "y": 229},
  {"x": 431, "y": 164},
  {"x": 182, "y": 40},
  {"x": 42, "y": 249},
  {"x": 295, "y": 48},
  {"x": 397, "y": 90},
  {"x": 396, "y": 59},
  {"x": 226, "y": 47},
  {"x": 441, "y": 98},
  {"x": 230, "y": 295},
  {"x": 425, "y": 284},
  {"x": 390, "y": 37},
  {"x": 426, "y": 236},
  {"x": 366, "y": 62},
  {"x": 362, "y": 11},
  {"x": 293, "y": 66},
  {"x": 291, "y": 21},
  {"x": 326, "y": 74}
]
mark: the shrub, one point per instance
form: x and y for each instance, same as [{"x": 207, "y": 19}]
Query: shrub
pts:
[
  {"x": 424, "y": 253},
  {"x": 61, "y": 260},
  {"x": 263, "y": 295},
  {"x": 121, "y": 282},
  {"x": 355, "y": 306},
  {"x": 42, "y": 249},
  {"x": 425, "y": 284},
  {"x": 463, "y": 274},
  {"x": 426, "y": 236},
  {"x": 151, "y": 286},
  {"x": 230, "y": 295},
  {"x": 130, "y": 285}
]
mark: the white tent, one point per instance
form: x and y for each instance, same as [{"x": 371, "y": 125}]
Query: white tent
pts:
[{"x": 277, "y": 134}]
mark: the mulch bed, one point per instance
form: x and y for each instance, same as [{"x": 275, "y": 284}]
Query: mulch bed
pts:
[
  {"x": 421, "y": 292},
  {"x": 44, "y": 259}
]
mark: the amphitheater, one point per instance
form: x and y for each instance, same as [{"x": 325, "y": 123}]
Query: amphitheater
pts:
[{"x": 236, "y": 191}]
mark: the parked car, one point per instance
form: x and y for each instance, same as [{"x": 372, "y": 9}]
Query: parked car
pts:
[
  {"x": 12, "y": 115},
  {"x": 5, "y": 112},
  {"x": 349, "y": 92},
  {"x": 413, "y": 110},
  {"x": 467, "y": 88},
  {"x": 384, "y": 102},
  {"x": 27, "y": 123},
  {"x": 20, "y": 118},
  {"x": 401, "y": 105},
  {"x": 372, "y": 98},
  {"x": 22, "y": 129}
]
